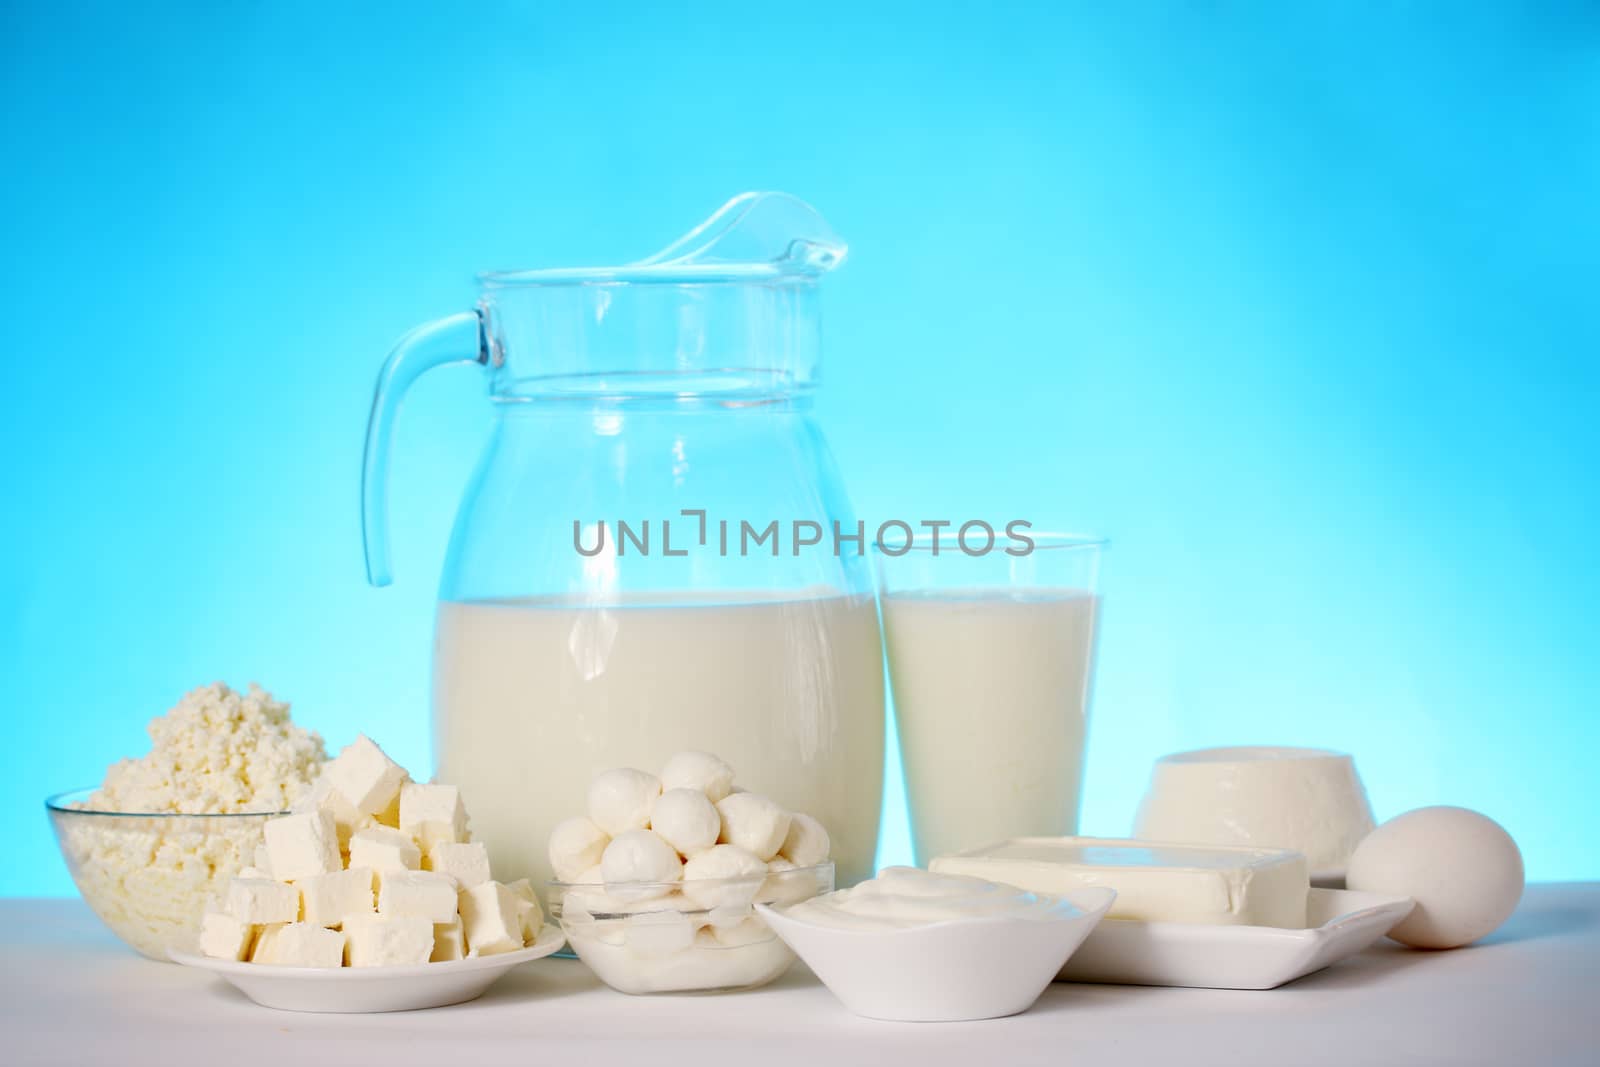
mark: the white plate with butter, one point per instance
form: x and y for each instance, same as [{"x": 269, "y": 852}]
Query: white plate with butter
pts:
[
  {"x": 1213, "y": 916},
  {"x": 1340, "y": 923},
  {"x": 372, "y": 989}
]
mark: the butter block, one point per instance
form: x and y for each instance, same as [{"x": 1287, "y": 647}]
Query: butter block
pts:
[
  {"x": 380, "y": 941},
  {"x": 328, "y": 899},
  {"x": 465, "y": 861},
  {"x": 365, "y": 776},
  {"x": 492, "y": 916},
  {"x": 384, "y": 850},
  {"x": 225, "y": 937},
  {"x": 299, "y": 945},
  {"x": 302, "y": 844},
  {"x": 417, "y": 894},
  {"x": 449, "y": 942},
  {"x": 1155, "y": 882},
  {"x": 432, "y": 814},
  {"x": 529, "y": 912},
  {"x": 259, "y": 901}
]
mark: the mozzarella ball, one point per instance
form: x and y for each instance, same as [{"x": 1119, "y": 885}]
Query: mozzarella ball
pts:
[
  {"x": 658, "y": 933},
  {"x": 704, "y": 877},
  {"x": 620, "y": 800},
  {"x": 785, "y": 884},
  {"x": 640, "y": 856},
  {"x": 754, "y": 823},
  {"x": 1462, "y": 869},
  {"x": 687, "y": 819},
  {"x": 576, "y": 844},
  {"x": 751, "y": 931},
  {"x": 698, "y": 770},
  {"x": 806, "y": 844}
]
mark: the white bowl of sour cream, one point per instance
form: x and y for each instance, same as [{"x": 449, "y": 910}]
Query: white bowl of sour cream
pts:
[{"x": 911, "y": 946}]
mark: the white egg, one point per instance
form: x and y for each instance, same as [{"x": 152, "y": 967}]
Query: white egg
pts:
[{"x": 1462, "y": 869}]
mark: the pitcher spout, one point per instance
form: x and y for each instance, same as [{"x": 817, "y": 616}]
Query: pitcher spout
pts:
[{"x": 773, "y": 230}]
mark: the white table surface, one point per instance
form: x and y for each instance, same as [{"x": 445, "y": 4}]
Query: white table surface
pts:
[{"x": 1529, "y": 994}]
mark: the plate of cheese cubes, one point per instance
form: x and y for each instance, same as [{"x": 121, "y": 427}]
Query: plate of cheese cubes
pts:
[{"x": 370, "y": 895}]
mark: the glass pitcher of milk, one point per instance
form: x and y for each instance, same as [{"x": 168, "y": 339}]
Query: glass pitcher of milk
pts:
[{"x": 655, "y": 552}]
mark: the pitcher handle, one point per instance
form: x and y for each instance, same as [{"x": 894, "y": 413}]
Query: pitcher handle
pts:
[{"x": 458, "y": 338}]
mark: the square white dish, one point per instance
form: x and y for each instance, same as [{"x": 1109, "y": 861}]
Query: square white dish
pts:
[{"x": 1341, "y": 923}]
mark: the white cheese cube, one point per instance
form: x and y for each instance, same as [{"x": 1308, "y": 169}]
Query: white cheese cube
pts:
[
  {"x": 365, "y": 776},
  {"x": 377, "y": 941},
  {"x": 302, "y": 845},
  {"x": 262, "y": 861},
  {"x": 465, "y": 861},
  {"x": 259, "y": 901},
  {"x": 327, "y": 899},
  {"x": 325, "y": 796},
  {"x": 432, "y": 814},
  {"x": 492, "y": 916},
  {"x": 225, "y": 937},
  {"x": 254, "y": 872},
  {"x": 1154, "y": 882},
  {"x": 449, "y": 942},
  {"x": 299, "y": 945},
  {"x": 390, "y": 815},
  {"x": 528, "y": 910},
  {"x": 384, "y": 849},
  {"x": 417, "y": 894}
]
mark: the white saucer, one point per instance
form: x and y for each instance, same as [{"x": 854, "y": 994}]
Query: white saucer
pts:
[
  {"x": 372, "y": 989},
  {"x": 1343, "y": 922}
]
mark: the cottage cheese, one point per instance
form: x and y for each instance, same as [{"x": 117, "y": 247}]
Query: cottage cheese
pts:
[{"x": 217, "y": 752}]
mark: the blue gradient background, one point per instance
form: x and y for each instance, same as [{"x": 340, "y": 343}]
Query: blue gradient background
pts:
[{"x": 1297, "y": 303}]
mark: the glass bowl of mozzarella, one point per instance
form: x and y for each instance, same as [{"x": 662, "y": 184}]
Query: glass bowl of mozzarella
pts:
[{"x": 689, "y": 935}]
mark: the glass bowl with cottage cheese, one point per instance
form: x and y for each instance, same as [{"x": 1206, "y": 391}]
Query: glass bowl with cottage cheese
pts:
[
  {"x": 157, "y": 843},
  {"x": 693, "y": 935},
  {"x": 150, "y": 877}
]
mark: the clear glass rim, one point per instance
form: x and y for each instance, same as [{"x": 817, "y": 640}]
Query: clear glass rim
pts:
[
  {"x": 62, "y": 803},
  {"x": 1250, "y": 754},
  {"x": 651, "y": 274},
  {"x": 1043, "y": 541},
  {"x": 740, "y": 879}
]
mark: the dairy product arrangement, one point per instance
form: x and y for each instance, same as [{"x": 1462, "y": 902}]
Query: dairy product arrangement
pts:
[
  {"x": 578, "y": 693},
  {"x": 659, "y": 878},
  {"x": 371, "y": 869}
]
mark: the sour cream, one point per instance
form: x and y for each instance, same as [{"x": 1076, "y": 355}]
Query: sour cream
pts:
[{"x": 901, "y": 898}]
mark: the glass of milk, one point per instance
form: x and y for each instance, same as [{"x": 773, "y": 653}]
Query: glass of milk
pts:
[{"x": 991, "y": 656}]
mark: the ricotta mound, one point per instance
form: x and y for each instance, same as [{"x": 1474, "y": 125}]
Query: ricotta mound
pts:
[{"x": 217, "y": 752}]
